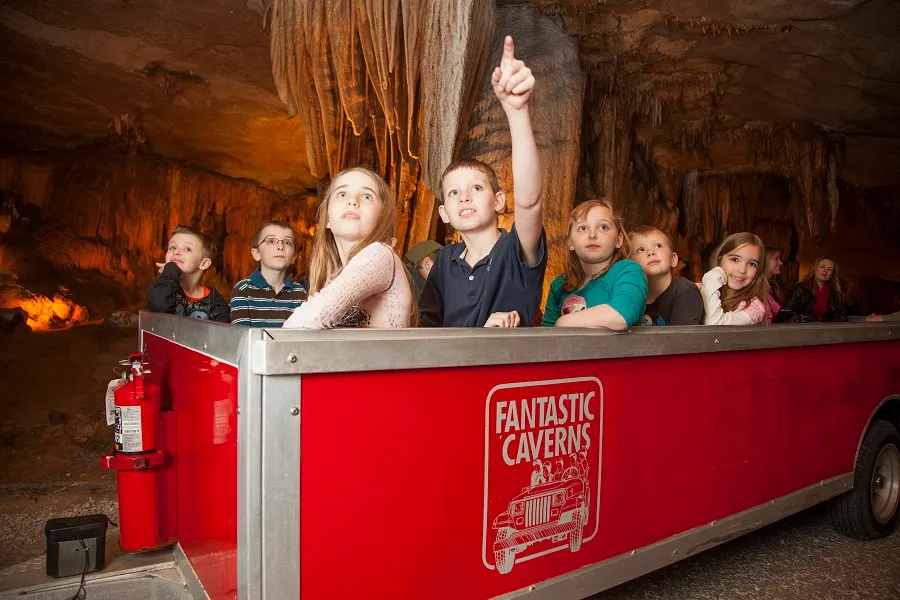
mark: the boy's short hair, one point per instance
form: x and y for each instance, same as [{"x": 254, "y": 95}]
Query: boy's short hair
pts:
[
  {"x": 475, "y": 165},
  {"x": 648, "y": 230},
  {"x": 282, "y": 224},
  {"x": 207, "y": 246}
]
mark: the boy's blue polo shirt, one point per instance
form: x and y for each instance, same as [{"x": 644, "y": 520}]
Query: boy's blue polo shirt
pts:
[{"x": 457, "y": 295}]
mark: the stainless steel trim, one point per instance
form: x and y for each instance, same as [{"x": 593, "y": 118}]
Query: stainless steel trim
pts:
[
  {"x": 191, "y": 581},
  {"x": 281, "y": 488},
  {"x": 298, "y": 351},
  {"x": 219, "y": 340},
  {"x": 249, "y": 492},
  {"x": 631, "y": 565}
]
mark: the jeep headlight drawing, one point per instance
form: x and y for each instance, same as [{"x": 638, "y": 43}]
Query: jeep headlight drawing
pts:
[
  {"x": 517, "y": 508},
  {"x": 559, "y": 498}
]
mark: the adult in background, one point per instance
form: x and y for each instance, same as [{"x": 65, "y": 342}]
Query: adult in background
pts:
[
  {"x": 818, "y": 297},
  {"x": 419, "y": 260}
]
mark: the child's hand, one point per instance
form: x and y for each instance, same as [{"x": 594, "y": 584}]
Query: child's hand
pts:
[
  {"x": 512, "y": 80},
  {"x": 873, "y": 318},
  {"x": 714, "y": 278},
  {"x": 503, "y": 319},
  {"x": 160, "y": 267}
]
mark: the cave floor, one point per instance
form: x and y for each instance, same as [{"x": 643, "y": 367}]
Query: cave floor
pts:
[{"x": 49, "y": 462}]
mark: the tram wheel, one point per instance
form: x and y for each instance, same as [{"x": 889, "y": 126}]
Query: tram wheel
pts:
[{"x": 869, "y": 511}]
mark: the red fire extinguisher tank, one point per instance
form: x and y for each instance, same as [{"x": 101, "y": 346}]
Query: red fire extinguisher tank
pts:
[{"x": 137, "y": 408}]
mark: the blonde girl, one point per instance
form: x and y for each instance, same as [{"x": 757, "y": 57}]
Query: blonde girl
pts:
[
  {"x": 356, "y": 278},
  {"x": 601, "y": 287},
  {"x": 736, "y": 287}
]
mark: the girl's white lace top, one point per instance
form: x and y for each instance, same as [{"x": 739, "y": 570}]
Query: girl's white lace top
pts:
[{"x": 373, "y": 282}]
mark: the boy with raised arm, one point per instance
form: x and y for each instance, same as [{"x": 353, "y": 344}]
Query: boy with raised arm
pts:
[{"x": 493, "y": 278}]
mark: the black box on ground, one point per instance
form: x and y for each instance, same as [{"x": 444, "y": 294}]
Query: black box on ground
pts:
[{"x": 71, "y": 541}]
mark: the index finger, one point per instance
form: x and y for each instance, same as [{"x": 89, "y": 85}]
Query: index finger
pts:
[{"x": 509, "y": 49}]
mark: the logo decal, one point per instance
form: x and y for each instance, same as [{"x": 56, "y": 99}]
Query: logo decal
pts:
[{"x": 541, "y": 469}]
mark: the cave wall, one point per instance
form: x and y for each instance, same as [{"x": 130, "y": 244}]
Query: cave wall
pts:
[
  {"x": 670, "y": 134},
  {"x": 96, "y": 210}
]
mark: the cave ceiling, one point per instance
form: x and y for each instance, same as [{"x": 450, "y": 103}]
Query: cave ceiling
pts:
[{"x": 193, "y": 80}]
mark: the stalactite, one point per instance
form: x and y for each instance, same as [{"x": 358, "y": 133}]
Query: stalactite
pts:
[
  {"x": 833, "y": 195},
  {"x": 690, "y": 200},
  {"x": 354, "y": 70}
]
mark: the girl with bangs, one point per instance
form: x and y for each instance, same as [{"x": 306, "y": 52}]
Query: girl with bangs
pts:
[
  {"x": 356, "y": 278},
  {"x": 601, "y": 287},
  {"x": 735, "y": 290}
]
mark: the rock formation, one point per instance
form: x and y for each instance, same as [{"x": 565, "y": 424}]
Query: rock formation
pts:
[{"x": 121, "y": 120}]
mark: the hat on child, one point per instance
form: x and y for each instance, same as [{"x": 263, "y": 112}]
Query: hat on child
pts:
[{"x": 421, "y": 250}]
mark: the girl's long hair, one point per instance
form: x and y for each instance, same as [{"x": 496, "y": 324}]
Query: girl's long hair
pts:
[
  {"x": 833, "y": 284},
  {"x": 759, "y": 287},
  {"x": 325, "y": 261},
  {"x": 574, "y": 272},
  {"x": 774, "y": 285}
]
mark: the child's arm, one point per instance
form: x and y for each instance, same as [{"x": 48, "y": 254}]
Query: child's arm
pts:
[
  {"x": 513, "y": 84},
  {"x": 624, "y": 309},
  {"x": 161, "y": 295},
  {"x": 221, "y": 310},
  {"x": 711, "y": 292},
  {"x": 368, "y": 273},
  {"x": 240, "y": 306},
  {"x": 431, "y": 302},
  {"x": 553, "y": 308}
]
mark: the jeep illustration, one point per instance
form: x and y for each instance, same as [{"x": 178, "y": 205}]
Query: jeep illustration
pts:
[{"x": 554, "y": 507}]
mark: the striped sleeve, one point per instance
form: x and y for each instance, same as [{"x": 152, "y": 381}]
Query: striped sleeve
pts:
[{"x": 240, "y": 304}]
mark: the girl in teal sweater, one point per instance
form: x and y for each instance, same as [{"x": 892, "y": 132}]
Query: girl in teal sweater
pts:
[{"x": 601, "y": 287}]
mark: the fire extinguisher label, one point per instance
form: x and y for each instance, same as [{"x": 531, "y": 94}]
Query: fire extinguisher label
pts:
[
  {"x": 128, "y": 429},
  {"x": 111, "y": 399}
]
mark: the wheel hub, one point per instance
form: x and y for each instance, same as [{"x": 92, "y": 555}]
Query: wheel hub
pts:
[{"x": 885, "y": 491}]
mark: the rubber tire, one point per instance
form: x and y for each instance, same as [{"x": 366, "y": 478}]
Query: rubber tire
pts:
[
  {"x": 851, "y": 513},
  {"x": 504, "y": 559},
  {"x": 575, "y": 536}
]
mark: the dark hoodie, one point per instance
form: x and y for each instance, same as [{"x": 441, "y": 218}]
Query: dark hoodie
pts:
[{"x": 166, "y": 296}]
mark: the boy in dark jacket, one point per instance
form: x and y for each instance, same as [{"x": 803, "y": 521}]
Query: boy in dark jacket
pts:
[{"x": 178, "y": 290}]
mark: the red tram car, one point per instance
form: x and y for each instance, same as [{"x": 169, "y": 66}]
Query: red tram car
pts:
[{"x": 528, "y": 463}]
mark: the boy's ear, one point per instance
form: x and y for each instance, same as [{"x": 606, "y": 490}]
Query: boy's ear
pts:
[
  {"x": 674, "y": 259},
  {"x": 443, "y": 212},
  {"x": 205, "y": 264},
  {"x": 254, "y": 252},
  {"x": 499, "y": 201}
]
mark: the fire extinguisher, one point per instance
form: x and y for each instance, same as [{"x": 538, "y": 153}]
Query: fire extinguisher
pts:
[{"x": 136, "y": 408}]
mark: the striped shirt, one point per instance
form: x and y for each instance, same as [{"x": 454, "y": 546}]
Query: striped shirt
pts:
[{"x": 255, "y": 304}]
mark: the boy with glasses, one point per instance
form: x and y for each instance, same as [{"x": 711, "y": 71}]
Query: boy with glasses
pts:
[{"x": 268, "y": 296}]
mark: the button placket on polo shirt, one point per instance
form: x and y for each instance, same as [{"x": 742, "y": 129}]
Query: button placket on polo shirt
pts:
[{"x": 472, "y": 287}]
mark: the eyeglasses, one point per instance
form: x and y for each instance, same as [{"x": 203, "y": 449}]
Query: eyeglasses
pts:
[{"x": 273, "y": 241}]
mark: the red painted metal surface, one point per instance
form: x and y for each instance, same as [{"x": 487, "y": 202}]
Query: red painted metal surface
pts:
[
  {"x": 203, "y": 394},
  {"x": 405, "y": 485}
]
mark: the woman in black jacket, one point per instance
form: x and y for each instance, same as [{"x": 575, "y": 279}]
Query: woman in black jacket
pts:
[{"x": 818, "y": 297}]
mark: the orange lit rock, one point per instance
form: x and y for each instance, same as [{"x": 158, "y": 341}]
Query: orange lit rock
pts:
[
  {"x": 58, "y": 312},
  {"x": 112, "y": 213}
]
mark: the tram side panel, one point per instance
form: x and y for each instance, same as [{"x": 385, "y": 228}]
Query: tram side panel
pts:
[
  {"x": 203, "y": 394},
  {"x": 474, "y": 482}
]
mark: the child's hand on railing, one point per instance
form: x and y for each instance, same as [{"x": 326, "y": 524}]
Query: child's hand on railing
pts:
[{"x": 503, "y": 319}]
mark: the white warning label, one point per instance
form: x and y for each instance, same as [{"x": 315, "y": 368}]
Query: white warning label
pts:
[{"x": 128, "y": 429}]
